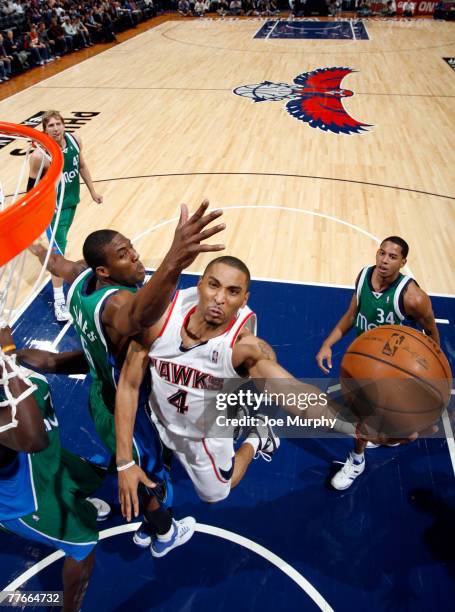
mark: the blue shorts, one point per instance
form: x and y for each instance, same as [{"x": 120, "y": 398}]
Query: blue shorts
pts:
[
  {"x": 78, "y": 551},
  {"x": 149, "y": 449}
]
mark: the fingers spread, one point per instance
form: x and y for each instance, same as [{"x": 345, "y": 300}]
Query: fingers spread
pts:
[{"x": 196, "y": 216}]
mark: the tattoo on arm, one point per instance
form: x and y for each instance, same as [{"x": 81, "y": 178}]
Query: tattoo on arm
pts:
[{"x": 266, "y": 350}]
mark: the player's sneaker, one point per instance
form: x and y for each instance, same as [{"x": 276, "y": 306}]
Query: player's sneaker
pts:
[
  {"x": 183, "y": 531},
  {"x": 372, "y": 445},
  {"x": 348, "y": 473},
  {"x": 102, "y": 508},
  {"x": 269, "y": 442},
  {"x": 239, "y": 430},
  {"x": 61, "y": 312},
  {"x": 142, "y": 537}
]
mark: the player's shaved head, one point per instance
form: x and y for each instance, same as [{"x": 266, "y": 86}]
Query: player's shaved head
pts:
[
  {"x": 94, "y": 249},
  {"x": 232, "y": 262},
  {"x": 400, "y": 242}
]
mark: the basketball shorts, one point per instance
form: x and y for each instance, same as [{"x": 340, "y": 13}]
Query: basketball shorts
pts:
[
  {"x": 64, "y": 519},
  {"x": 209, "y": 462},
  {"x": 147, "y": 446},
  {"x": 61, "y": 235}
]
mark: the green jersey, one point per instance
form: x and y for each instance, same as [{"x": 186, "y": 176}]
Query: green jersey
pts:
[
  {"x": 375, "y": 309},
  {"x": 86, "y": 307},
  {"x": 71, "y": 169},
  {"x": 46, "y": 463},
  {"x": 31, "y": 472}
]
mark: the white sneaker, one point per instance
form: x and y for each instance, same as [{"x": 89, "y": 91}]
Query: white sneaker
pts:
[
  {"x": 141, "y": 536},
  {"x": 103, "y": 509},
  {"x": 61, "y": 312},
  {"x": 183, "y": 531},
  {"x": 348, "y": 473},
  {"x": 372, "y": 445},
  {"x": 269, "y": 442}
]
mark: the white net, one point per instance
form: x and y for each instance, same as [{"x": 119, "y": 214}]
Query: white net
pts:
[
  {"x": 13, "y": 291},
  {"x": 9, "y": 370},
  {"x": 20, "y": 277}
]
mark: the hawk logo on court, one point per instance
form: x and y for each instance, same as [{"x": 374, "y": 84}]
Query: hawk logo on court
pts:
[{"x": 315, "y": 98}]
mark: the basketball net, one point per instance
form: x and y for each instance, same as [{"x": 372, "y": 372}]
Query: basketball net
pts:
[{"x": 29, "y": 214}]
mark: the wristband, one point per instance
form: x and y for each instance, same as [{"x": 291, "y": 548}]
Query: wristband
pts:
[
  {"x": 8, "y": 347},
  {"x": 120, "y": 468}
]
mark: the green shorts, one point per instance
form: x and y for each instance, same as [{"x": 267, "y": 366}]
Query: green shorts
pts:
[
  {"x": 63, "y": 227},
  {"x": 64, "y": 518}
]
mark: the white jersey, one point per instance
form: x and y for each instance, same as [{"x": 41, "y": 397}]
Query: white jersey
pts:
[{"x": 185, "y": 382}]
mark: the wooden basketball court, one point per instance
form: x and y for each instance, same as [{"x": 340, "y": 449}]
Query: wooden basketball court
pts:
[
  {"x": 161, "y": 125},
  {"x": 300, "y": 203}
]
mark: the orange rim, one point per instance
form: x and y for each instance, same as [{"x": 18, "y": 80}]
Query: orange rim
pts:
[{"x": 25, "y": 220}]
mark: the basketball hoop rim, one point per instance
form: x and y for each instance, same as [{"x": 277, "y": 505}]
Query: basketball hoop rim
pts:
[{"x": 23, "y": 214}]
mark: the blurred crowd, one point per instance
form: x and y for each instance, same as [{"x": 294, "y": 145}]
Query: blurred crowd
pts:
[{"x": 35, "y": 32}]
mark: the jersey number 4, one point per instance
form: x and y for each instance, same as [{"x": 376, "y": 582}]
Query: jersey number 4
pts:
[{"x": 179, "y": 401}]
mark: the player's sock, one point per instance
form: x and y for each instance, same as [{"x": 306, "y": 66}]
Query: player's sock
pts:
[
  {"x": 358, "y": 457},
  {"x": 166, "y": 537},
  {"x": 59, "y": 296},
  {"x": 160, "y": 521}
]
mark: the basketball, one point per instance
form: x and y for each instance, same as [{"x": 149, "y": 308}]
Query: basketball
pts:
[{"x": 396, "y": 379}]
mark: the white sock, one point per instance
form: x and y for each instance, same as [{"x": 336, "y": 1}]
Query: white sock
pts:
[
  {"x": 165, "y": 537},
  {"x": 59, "y": 296},
  {"x": 358, "y": 458}
]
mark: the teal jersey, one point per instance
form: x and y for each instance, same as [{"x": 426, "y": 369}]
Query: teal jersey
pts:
[
  {"x": 86, "y": 306},
  {"x": 31, "y": 472},
  {"x": 375, "y": 309},
  {"x": 70, "y": 173}
]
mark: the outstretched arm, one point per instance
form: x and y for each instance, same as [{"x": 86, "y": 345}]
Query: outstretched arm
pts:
[
  {"x": 129, "y": 314},
  {"x": 258, "y": 358},
  {"x": 341, "y": 329},
  {"x": 126, "y": 402},
  {"x": 69, "y": 362},
  {"x": 57, "y": 264}
]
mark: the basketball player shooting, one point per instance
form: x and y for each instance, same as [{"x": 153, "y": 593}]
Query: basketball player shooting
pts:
[
  {"x": 383, "y": 296},
  {"x": 204, "y": 342}
]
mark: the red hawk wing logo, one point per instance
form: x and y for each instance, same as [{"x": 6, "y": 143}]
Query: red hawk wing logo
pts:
[
  {"x": 322, "y": 79},
  {"x": 320, "y": 103}
]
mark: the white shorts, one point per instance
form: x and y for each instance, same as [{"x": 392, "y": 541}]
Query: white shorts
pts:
[{"x": 208, "y": 462}]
